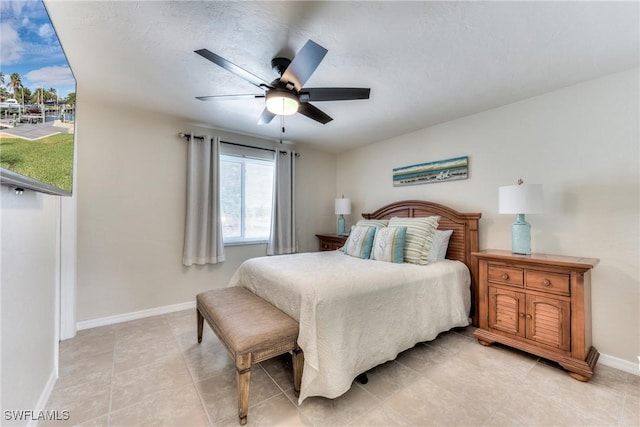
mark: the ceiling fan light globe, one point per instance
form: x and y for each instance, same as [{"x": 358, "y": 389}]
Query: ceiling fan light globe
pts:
[{"x": 282, "y": 103}]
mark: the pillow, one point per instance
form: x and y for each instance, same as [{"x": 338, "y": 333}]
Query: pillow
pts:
[
  {"x": 360, "y": 241},
  {"x": 374, "y": 222},
  {"x": 418, "y": 239},
  {"x": 439, "y": 245},
  {"x": 388, "y": 244}
]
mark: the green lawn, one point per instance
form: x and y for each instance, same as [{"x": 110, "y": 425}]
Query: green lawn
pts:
[{"x": 47, "y": 159}]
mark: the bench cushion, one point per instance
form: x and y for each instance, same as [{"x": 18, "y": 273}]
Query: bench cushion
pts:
[{"x": 249, "y": 323}]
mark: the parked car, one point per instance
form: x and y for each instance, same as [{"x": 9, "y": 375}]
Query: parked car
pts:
[{"x": 9, "y": 104}]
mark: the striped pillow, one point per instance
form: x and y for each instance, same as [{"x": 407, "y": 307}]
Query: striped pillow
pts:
[
  {"x": 373, "y": 222},
  {"x": 360, "y": 241},
  {"x": 388, "y": 245},
  {"x": 419, "y": 236}
]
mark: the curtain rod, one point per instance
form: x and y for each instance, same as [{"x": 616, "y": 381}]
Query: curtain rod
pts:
[{"x": 184, "y": 135}]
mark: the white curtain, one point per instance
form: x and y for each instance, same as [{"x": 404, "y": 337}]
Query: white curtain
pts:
[
  {"x": 203, "y": 228},
  {"x": 283, "y": 219}
]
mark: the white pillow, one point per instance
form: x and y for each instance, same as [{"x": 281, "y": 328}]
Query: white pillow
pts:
[{"x": 439, "y": 245}]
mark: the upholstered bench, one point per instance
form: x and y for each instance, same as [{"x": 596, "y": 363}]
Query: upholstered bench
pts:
[{"x": 252, "y": 330}]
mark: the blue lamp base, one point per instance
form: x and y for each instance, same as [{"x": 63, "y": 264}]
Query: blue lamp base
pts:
[
  {"x": 341, "y": 231},
  {"x": 521, "y": 236}
]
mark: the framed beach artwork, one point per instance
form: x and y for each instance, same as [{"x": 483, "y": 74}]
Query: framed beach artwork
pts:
[{"x": 425, "y": 173}]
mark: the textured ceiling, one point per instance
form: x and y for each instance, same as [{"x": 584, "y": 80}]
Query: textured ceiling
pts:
[{"x": 425, "y": 62}]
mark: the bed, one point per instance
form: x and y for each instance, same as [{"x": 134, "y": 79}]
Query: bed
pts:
[{"x": 355, "y": 314}]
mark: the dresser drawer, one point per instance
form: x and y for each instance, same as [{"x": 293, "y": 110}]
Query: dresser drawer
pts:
[
  {"x": 330, "y": 242},
  {"x": 556, "y": 283},
  {"x": 330, "y": 246},
  {"x": 505, "y": 275}
]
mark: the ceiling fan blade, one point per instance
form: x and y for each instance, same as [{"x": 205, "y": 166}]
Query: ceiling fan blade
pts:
[
  {"x": 333, "y": 93},
  {"x": 233, "y": 68},
  {"x": 314, "y": 113},
  {"x": 265, "y": 117},
  {"x": 227, "y": 97},
  {"x": 304, "y": 64}
]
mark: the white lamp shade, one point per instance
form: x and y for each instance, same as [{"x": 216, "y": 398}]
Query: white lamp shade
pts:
[
  {"x": 343, "y": 206},
  {"x": 520, "y": 199}
]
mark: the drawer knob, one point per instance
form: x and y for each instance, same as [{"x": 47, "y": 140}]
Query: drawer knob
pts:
[
  {"x": 505, "y": 276},
  {"x": 546, "y": 282},
  {"x": 529, "y": 316},
  {"x": 521, "y": 314}
]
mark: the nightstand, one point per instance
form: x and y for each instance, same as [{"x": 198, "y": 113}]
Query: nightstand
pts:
[
  {"x": 540, "y": 304},
  {"x": 331, "y": 242}
]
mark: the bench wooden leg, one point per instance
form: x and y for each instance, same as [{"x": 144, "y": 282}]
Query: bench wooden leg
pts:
[
  {"x": 298, "y": 364},
  {"x": 244, "y": 380},
  {"x": 243, "y": 375},
  {"x": 200, "y": 325}
]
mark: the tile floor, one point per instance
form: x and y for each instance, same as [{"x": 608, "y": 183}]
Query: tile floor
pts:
[{"x": 151, "y": 372}]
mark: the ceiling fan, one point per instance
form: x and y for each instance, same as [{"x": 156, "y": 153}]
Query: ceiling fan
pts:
[{"x": 287, "y": 95}]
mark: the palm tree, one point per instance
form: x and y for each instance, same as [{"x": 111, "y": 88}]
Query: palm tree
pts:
[
  {"x": 53, "y": 94},
  {"x": 15, "y": 83},
  {"x": 40, "y": 96},
  {"x": 3, "y": 91}
]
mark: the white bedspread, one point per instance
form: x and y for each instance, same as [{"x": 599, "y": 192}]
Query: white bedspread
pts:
[{"x": 355, "y": 314}]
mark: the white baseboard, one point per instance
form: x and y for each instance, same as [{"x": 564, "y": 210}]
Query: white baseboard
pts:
[
  {"x": 44, "y": 397},
  {"x": 623, "y": 365},
  {"x": 119, "y": 318}
]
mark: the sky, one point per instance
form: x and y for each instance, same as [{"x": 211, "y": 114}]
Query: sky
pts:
[{"x": 29, "y": 46}]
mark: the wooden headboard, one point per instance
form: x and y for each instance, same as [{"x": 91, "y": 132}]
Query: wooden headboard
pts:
[{"x": 464, "y": 239}]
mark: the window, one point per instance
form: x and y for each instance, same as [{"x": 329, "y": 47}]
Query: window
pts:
[{"x": 246, "y": 194}]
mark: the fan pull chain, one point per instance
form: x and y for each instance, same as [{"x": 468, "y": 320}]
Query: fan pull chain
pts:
[{"x": 281, "y": 128}]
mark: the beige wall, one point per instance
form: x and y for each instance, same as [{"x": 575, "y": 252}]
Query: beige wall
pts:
[
  {"x": 581, "y": 143},
  {"x": 29, "y": 269},
  {"x": 131, "y": 178}
]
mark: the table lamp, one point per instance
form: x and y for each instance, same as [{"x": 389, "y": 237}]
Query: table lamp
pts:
[
  {"x": 520, "y": 199},
  {"x": 342, "y": 208}
]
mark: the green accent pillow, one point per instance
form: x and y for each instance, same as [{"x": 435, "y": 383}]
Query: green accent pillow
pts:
[
  {"x": 360, "y": 241},
  {"x": 388, "y": 244}
]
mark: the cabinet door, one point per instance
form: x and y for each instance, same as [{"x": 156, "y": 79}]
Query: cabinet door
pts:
[
  {"x": 506, "y": 311},
  {"x": 548, "y": 321}
]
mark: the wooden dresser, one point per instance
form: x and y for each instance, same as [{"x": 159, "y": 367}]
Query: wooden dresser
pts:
[
  {"x": 331, "y": 242},
  {"x": 540, "y": 304}
]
